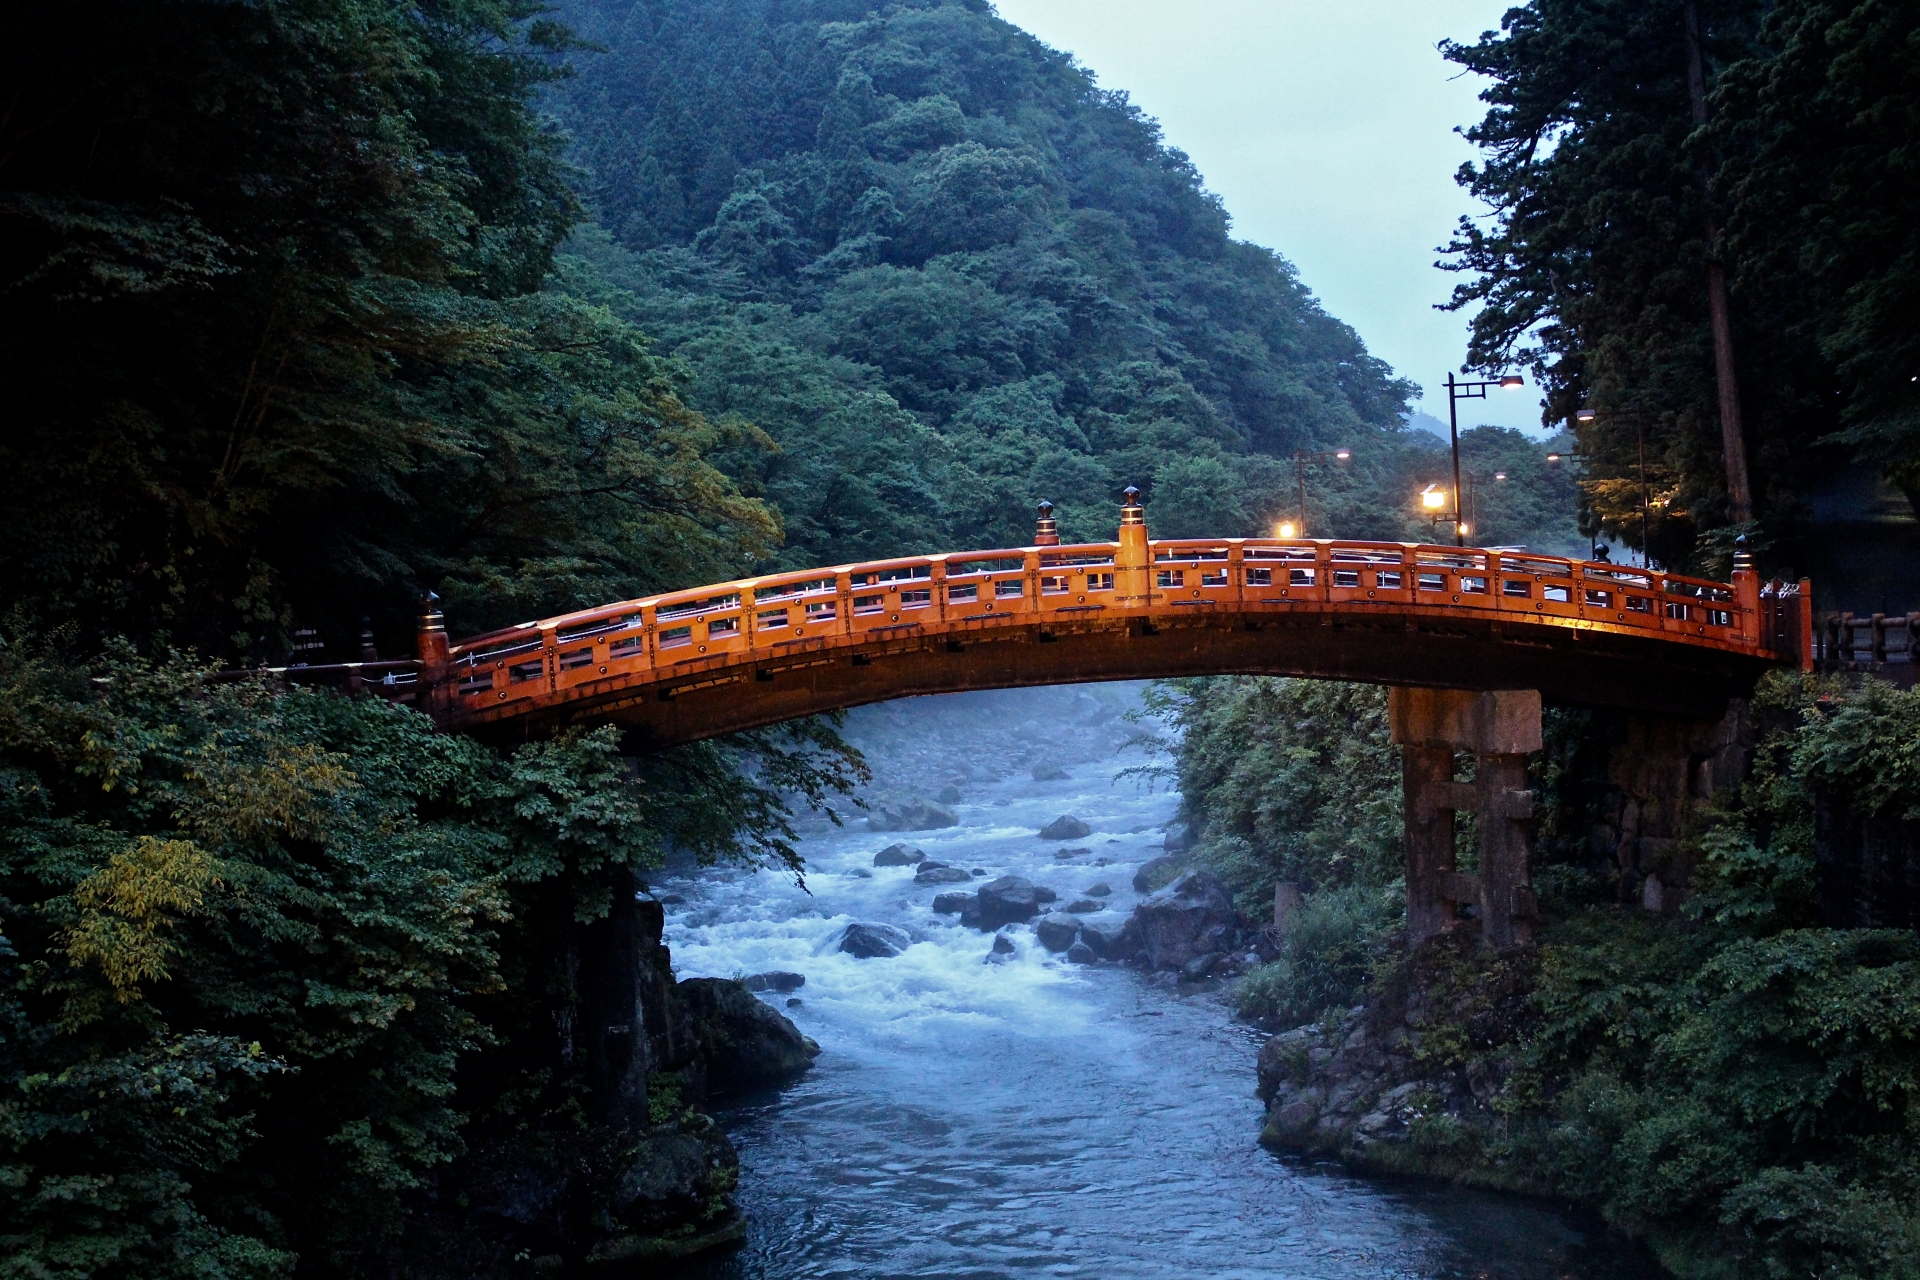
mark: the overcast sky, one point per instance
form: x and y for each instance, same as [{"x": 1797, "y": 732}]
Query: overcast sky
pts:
[{"x": 1328, "y": 129}]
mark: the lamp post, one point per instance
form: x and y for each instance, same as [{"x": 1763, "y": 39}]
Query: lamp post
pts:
[
  {"x": 1433, "y": 501},
  {"x": 1456, "y": 392},
  {"x": 1300, "y": 461},
  {"x": 1640, "y": 443}
]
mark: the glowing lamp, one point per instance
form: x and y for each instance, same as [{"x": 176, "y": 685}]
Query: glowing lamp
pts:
[
  {"x": 1586, "y": 415},
  {"x": 1499, "y": 475},
  {"x": 1465, "y": 529},
  {"x": 1286, "y": 529},
  {"x": 1343, "y": 454},
  {"x": 1511, "y": 380},
  {"x": 1553, "y": 457},
  {"x": 1432, "y": 499}
]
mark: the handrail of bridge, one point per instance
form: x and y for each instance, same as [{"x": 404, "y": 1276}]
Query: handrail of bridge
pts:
[{"x": 777, "y": 615}]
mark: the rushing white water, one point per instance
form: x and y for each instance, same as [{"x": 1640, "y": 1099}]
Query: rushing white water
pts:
[{"x": 1034, "y": 1117}]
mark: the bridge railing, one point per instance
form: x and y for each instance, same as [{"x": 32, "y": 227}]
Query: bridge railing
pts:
[{"x": 810, "y": 609}]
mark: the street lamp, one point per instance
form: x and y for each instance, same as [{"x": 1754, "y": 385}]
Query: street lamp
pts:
[
  {"x": 1456, "y": 392},
  {"x": 1433, "y": 500},
  {"x": 1640, "y": 441},
  {"x": 1300, "y": 460}
]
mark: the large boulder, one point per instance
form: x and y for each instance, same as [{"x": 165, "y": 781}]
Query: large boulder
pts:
[
  {"x": 910, "y": 815},
  {"x": 940, "y": 873},
  {"x": 898, "y": 855},
  {"x": 873, "y": 941},
  {"x": 1156, "y": 873},
  {"x": 1112, "y": 941},
  {"x": 1008, "y": 900},
  {"x": 951, "y": 903},
  {"x": 1187, "y": 919},
  {"x": 1066, "y": 827},
  {"x": 1056, "y": 932},
  {"x": 746, "y": 1043}
]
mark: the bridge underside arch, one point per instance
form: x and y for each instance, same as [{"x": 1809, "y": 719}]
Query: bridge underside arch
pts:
[{"x": 1590, "y": 668}]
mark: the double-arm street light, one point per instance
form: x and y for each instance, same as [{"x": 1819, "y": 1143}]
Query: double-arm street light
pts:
[
  {"x": 1433, "y": 501},
  {"x": 1288, "y": 529},
  {"x": 1456, "y": 392}
]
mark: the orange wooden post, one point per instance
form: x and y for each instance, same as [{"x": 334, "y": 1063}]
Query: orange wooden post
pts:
[
  {"x": 1133, "y": 559},
  {"x": 432, "y": 647}
]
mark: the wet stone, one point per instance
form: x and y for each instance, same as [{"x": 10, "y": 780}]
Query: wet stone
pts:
[
  {"x": 939, "y": 873},
  {"x": 898, "y": 855},
  {"x": 1066, "y": 827}
]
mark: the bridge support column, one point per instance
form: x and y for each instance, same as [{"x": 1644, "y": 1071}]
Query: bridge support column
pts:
[{"x": 1499, "y": 728}]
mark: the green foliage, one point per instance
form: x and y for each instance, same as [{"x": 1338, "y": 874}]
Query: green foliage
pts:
[
  {"x": 1335, "y": 941},
  {"x": 1285, "y": 780},
  {"x": 253, "y": 940},
  {"x": 1610, "y": 205},
  {"x": 1747, "y": 1085},
  {"x": 275, "y": 341}
]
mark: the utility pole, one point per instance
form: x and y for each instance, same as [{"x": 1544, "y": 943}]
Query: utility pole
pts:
[{"x": 1733, "y": 441}]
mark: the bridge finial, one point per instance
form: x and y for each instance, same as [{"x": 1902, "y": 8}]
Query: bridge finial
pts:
[
  {"x": 1742, "y": 558},
  {"x": 431, "y": 619},
  {"x": 1131, "y": 512},
  {"x": 1046, "y": 531}
]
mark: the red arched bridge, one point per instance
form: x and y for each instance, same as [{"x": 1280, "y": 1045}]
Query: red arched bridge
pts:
[{"x": 693, "y": 664}]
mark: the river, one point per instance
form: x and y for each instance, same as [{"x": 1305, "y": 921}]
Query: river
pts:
[{"x": 1032, "y": 1117}]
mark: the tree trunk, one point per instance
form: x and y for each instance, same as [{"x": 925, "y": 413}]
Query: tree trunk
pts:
[{"x": 1732, "y": 439}]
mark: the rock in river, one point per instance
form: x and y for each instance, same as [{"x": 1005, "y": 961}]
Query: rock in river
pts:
[
  {"x": 951, "y": 903},
  {"x": 776, "y": 980},
  {"x": 746, "y": 1042},
  {"x": 898, "y": 855},
  {"x": 873, "y": 941},
  {"x": 1046, "y": 771},
  {"x": 1056, "y": 932},
  {"x": 1008, "y": 900},
  {"x": 1155, "y": 873},
  {"x": 1081, "y": 953},
  {"x": 1065, "y": 827},
  {"x": 1188, "y": 919},
  {"x": 1100, "y": 890},
  {"x": 948, "y": 794},
  {"x": 939, "y": 873},
  {"x": 1084, "y": 906},
  {"x": 910, "y": 815}
]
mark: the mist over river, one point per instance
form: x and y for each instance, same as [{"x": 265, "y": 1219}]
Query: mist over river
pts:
[{"x": 1034, "y": 1117}]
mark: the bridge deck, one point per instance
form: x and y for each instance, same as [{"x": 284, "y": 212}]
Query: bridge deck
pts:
[{"x": 715, "y": 659}]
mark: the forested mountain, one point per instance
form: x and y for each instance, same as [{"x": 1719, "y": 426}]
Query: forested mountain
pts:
[{"x": 950, "y": 275}]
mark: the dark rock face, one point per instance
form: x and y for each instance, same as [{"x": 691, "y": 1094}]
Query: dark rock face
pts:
[
  {"x": 1065, "y": 827},
  {"x": 1081, "y": 953},
  {"x": 951, "y": 904},
  {"x": 1155, "y": 873},
  {"x": 1179, "y": 840},
  {"x": 1047, "y": 772},
  {"x": 1199, "y": 967},
  {"x": 746, "y": 1043},
  {"x": 1008, "y": 900},
  {"x": 776, "y": 980},
  {"x": 1112, "y": 942},
  {"x": 1359, "y": 1088},
  {"x": 1042, "y": 894},
  {"x": 673, "y": 1171},
  {"x": 1056, "y": 932},
  {"x": 939, "y": 873},
  {"x": 910, "y": 815},
  {"x": 898, "y": 855},
  {"x": 1100, "y": 890},
  {"x": 948, "y": 794},
  {"x": 1189, "y": 918},
  {"x": 1083, "y": 906},
  {"x": 1079, "y": 852},
  {"x": 1002, "y": 949},
  {"x": 873, "y": 941}
]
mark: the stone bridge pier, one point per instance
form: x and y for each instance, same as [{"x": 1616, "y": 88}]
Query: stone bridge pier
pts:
[{"x": 1432, "y": 727}]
